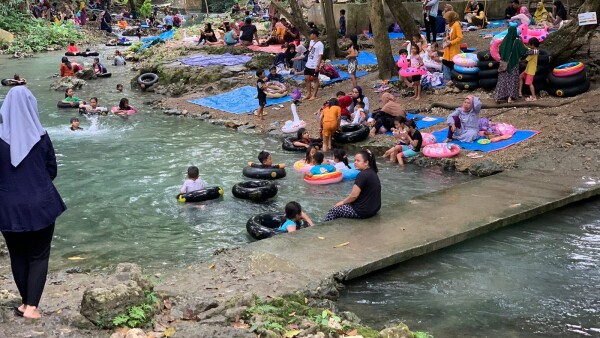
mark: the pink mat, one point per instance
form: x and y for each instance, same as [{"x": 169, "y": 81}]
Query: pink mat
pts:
[{"x": 269, "y": 49}]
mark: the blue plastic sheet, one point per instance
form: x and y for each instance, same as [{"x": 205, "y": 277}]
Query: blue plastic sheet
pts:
[
  {"x": 163, "y": 36},
  {"x": 518, "y": 136},
  {"x": 226, "y": 59},
  {"x": 238, "y": 101}
]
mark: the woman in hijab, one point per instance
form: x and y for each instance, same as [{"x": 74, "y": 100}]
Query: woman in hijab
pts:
[
  {"x": 29, "y": 202},
  {"x": 105, "y": 23},
  {"x": 463, "y": 123},
  {"x": 357, "y": 96},
  {"x": 511, "y": 51},
  {"x": 384, "y": 118},
  {"x": 83, "y": 14},
  {"x": 523, "y": 17},
  {"x": 560, "y": 12},
  {"x": 541, "y": 14},
  {"x": 451, "y": 43},
  {"x": 351, "y": 57}
]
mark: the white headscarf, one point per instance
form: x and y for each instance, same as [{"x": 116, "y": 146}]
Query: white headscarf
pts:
[{"x": 20, "y": 128}]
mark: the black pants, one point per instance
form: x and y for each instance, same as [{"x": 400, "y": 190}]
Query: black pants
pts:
[
  {"x": 29, "y": 254},
  {"x": 429, "y": 27}
]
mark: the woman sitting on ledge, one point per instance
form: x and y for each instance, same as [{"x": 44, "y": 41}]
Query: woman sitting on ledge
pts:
[
  {"x": 463, "y": 123},
  {"x": 365, "y": 199}
]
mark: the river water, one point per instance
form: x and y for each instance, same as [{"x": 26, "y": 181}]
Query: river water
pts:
[
  {"x": 538, "y": 278},
  {"x": 119, "y": 177}
]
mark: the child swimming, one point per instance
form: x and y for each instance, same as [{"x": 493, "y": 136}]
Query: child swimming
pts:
[
  {"x": 75, "y": 124},
  {"x": 319, "y": 167},
  {"x": 266, "y": 161},
  {"x": 294, "y": 213},
  {"x": 340, "y": 160},
  {"x": 193, "y": 182}
]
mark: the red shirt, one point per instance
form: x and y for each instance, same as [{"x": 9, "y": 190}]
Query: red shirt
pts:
[{"x": 73, "y": 49}]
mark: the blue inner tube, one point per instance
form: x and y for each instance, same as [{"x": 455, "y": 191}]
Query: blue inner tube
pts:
[
  {"x": 257, "y": 171},
  {"x": 209, "y": 193},
  {"x": 148, "y": 79},
  {"x": 466, "y": 70},
  {"x": 351, "y": 173},
  {"x": 265, "y": 225}
]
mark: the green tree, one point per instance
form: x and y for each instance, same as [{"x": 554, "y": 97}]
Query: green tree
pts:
[{"x": 146, "y": 9}]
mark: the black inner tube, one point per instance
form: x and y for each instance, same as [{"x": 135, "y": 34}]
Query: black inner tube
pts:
[
  {"x": 351, "y": 133},
  {"x": 209, "y": 193},
  {"x": 256, "y": 191},
  {"x": 256, "y": 171},
  {"x": 266, "y": 225},
  {"x": 147, "y": 79}
]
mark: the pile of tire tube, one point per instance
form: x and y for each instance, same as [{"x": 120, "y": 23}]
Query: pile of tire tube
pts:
[
  {"x": 288, "y": 144},
  {"x": 568, "y": 80},
  {"x": 351, "y": 133},
  {"x": 488, "y": 71},
  {"x": 256, "y": 191},
  {"x": 265, "y": 225},
  {"x": 540, "y": 80},
  {"x": 209, "y": 193},
  {"x": 257, "y": 171},
  {"x": 465, "y": 74}
]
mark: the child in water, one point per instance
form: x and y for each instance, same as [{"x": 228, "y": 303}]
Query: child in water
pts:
[
  {"x": 266, "y": 161},
  {"x": 72, "y": 48},
  {"x": 293, "y": 213},
  {"x": 319, "y": 167},
  {"x": 124, "y": 107},
  {"x": 340, "y": 160},
  {"x": 70, "y": 99},
  {"x": 17, "y": 80},
  {"x": 310, "y": 153},
  {"x": 75, "y": 124},
  {"x": 302, "y": 138},
  {"x": 120, "y": 88},
  {"x": 193, "y": 182}
]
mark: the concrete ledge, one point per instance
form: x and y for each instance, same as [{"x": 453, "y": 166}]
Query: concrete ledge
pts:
[{"x": 426, "y": 223}]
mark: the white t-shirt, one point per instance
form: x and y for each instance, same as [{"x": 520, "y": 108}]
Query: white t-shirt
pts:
[
  {"x": 192, "y": 185},
  {"x": 315, "y": 49},
  {"x": 340, "y": 166}
]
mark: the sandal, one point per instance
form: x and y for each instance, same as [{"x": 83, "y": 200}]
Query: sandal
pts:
[{"x": 18, "y": 312}]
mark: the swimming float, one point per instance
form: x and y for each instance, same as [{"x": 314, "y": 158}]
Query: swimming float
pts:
[
  {"x": 568, "y": 69},
  {"x": 351, "y": 173},
  {"x": 432, "y": 65},
  {"x": 428, "y": 139},
  {"x": 147, "y": 79},
  {"x": 439, "y": 150},
  {"x": 98, "y": 111},
  {"x": 322, "y": 179},
  {"x": 257, "y": 171},
  {"x": 503, "y": 129},
  {"x": 463, "y": 76},
  {"x": 466, "y": 69},
  {"x": 84, "y": 54},
  {"x": 409, "y": 71},
  {"x": 351, "y": 133},
  {"x": 402, "y": 62},
  {"x": 256, "y": 191},
  {"x": 495, "y": 49},
  {"x": 209, "y": 193},
  {"x": 570, "y": 91},
  {"x": 293, "y": 126},
  {"x": 301, "y": 166},
  {"x": 266, "y": 225},
  {"x": 465, "y": 59},
  {"x": 67, "y": 105},
  {"x": 275, "y": 89},
  {"x": 114, "y": 110},
  {"x": 107, "y": 74},
  {"x": 287, "y": 143},
  {"x": 561, "y": 82},
  {"x": 526, "y": 33},
  {"x": 12, "y": 82}
]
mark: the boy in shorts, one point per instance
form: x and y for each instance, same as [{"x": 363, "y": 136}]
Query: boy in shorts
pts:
[{"x": 262, "y": 96}]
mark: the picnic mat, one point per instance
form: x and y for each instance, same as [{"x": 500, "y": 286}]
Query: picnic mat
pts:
[
  {"x": 392, "y": 35},
  {"x": 519, "y": 136},
  {"x": 497, "y": 23},
  {"x": 269, "y": 49},
  {"x": 238, "y": 101},
  {"x": 425, "y": 121},
  {"x": 364, "y": 59},
  {"x": 150, "y": 40},
  {"x": 343, "y": 76},
  {"x": 216, "y": 60}
]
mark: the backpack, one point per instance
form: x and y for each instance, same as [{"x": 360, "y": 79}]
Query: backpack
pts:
[{"x": 329, "y": 71}]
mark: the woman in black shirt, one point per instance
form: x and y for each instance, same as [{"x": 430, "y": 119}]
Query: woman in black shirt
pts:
[{"x": 365, "y": 199}]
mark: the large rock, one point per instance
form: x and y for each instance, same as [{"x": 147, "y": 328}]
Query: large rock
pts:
[
  {"x": 66, "y": 82},
  {"x": 485, "y": 168},
  {"x": 87, "y": 73},
  {"x": 399, "y": 331},
  {"x": 123, "y": 289},
  {"x": 261, "y": 61}
]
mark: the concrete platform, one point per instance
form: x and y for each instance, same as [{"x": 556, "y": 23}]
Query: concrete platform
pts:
[{"x": 425, "y": 223}]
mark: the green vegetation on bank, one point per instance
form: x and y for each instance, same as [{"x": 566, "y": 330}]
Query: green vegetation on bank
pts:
[{"x": 35, "y": 35}]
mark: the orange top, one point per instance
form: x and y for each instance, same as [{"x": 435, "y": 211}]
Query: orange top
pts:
[
  {"x": 331, "y": 114},
  {"x": 122, "y": 24},
  {"x": 65, "y": 71},
  {"x": 72, "y": 49},
  {"x": 456, "y": 37}
]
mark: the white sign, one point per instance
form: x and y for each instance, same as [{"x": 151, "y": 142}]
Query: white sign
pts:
[{"x": 588, "y": 18}]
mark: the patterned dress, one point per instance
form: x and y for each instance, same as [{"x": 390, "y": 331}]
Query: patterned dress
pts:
[{"x": 508, "y": 84}]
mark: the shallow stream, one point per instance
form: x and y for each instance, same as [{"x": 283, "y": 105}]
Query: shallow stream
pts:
[{"x": 119, "y": 178}]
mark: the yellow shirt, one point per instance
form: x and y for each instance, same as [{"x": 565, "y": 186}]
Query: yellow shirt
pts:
[
  {"x": 531, "y": 64},
  {"x": 456, "y": 36}
]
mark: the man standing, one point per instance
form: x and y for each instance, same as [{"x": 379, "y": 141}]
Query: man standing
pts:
[
  {"x": 313, "y": 64},
  {"x": 430, "y": 9}
]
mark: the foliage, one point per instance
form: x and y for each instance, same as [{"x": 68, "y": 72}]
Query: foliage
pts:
[
  {"x": 146, "y": 9},
  {"x": 323, "y": 318},
  {"x": 10, "y": 6},
  {"x": 36, "y": 35},
  {"x": 421, "y": 334},
  {"x": 138, "y": 315}
]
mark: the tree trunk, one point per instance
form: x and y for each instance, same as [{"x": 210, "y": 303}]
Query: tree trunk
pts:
[
  {"x": 565, "y": 42},
  {"x": 206, "y": 4},
  {"x": 404, "y": 19},
  {"x": 296, "y": 19},
  {"x": 132, "y": 8},
  {"x": 334, "y": 49},
  {"x": 383, "y": 48}
]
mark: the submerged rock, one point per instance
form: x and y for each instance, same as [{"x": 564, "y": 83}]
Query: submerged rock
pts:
[
  {"x": 123, "y": 289},
  {"x": 66, "y": 82}
]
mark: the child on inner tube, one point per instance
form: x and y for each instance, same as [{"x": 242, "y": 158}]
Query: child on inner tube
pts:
[
  {"x": 266, "y": 161},
  {"x": 193, "y": 182},
  {"x": 302, "y": 138},
  {"x": 320, "y": 168},
  {"x": 294, "y": 213}
]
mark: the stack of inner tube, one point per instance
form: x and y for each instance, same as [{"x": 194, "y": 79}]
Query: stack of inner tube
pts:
[
  {"x": 465, "y": 74},
  {"x": 488, "y": 70},
  {"x": 265, "y": 225},
  {"x": 258, "y": 171},
  {"x": 256, "y": 191},
  {"x": 540, "y": 80},
  {"x": 568, "y": 80},
  {"x": 288, "y": 144},
  {"x": 351, "y": 133},
  {"x": 209, "y": 193}
]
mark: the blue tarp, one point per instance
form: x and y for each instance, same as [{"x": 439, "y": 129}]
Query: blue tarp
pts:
[
  {"x": 343, "y": 76},
  {"x": 238, "y": 101},
  {"x": 519, "y": 136},
  {"x": 392, "y": 35},
  {"x": 163, "y": 36},
  {"x": 428, "y": 122},
  {"x": 216, "y": 60}
]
